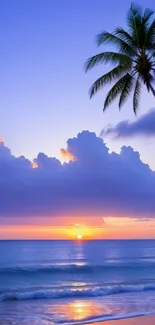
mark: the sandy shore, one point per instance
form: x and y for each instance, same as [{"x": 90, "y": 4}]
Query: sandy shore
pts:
[
  {"x": 144, "y": 320},
  {"x": 150, "y": 320}
]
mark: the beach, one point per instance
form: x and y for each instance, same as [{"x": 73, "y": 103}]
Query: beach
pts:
[
  {"x": 150, "y": 320},
  {"x": 129, "y": 321}
]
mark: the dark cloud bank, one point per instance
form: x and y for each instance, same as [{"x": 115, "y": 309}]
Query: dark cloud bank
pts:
[
  {"x": 97, "y": 182},
  {"x": 144, "y": 126}
]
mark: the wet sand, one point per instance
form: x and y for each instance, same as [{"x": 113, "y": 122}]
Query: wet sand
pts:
[{"x": 144, "y": 320}]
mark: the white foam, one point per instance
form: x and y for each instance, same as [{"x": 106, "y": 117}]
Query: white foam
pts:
[{"x": 74, "y": 293}]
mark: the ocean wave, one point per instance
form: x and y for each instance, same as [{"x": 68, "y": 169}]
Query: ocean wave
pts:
[
  {"x": 74, "y": 268},
  {"x": 74, "y": 293}
]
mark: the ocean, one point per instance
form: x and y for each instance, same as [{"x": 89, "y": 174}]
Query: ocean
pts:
[{"x": 75, "y": 282}]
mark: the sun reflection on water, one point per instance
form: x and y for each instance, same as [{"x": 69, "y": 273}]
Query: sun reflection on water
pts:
[
  {"x": 78, "y": 310},
  {"x": 52, "y": 312}
]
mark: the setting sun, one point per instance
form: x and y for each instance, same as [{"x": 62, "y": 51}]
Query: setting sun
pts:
[{"x": 79, "y": 236}]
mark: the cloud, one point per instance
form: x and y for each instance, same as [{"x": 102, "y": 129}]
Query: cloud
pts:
[
  {"x": 95, "y": 183},
  {"x": 143, "y": 126},
  {"x": 66, "y": 155}
]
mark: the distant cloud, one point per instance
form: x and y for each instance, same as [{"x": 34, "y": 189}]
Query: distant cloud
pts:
[
  {"x": 96, "y": 183},
  {"x": 143, "y": 126}
]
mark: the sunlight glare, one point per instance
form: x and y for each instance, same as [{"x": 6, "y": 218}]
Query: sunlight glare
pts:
[{"x": 79, "y": 236}]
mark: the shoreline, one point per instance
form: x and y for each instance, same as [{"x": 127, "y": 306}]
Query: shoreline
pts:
[{"x": 137, "y": 320}]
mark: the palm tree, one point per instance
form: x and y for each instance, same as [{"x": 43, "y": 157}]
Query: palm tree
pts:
[{"x": 133, "y": 61}]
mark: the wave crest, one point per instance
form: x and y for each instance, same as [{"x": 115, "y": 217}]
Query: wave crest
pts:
[
  {"x": 74, "y": 293},
  {"x": 72, "y": 269}
]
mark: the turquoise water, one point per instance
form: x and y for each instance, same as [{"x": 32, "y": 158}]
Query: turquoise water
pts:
[{"x": 53, "y": 282}]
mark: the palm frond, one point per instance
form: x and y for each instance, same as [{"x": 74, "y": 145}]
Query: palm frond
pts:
[
  {"x": 150, "y": 37},
  {"x": 136, "y": 9},
  {"x": 134, "y": 17},
  {"x": 152, "y": 56},
  {"x": 152, "y": 89},
  {"x": 146, "y": 32},
  {"x": 114, "y": 92},
  {"x": 136, "y": 95},
  {"x": 147, "y": 15},
  {"x": 134, "y": 20},
  {"x": 127, "y": 87},
  {"x": 126, "y": 37},
  {"x": 139, "y": 24},
  {"x": 122, "y": 46},
  {"x": 106, "y": 78},
  {"x": 147, "y": 79},
  {"x": 108, "y": 57}
]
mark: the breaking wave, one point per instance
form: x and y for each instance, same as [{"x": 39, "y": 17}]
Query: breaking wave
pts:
[{"x": 73, "y": 293}]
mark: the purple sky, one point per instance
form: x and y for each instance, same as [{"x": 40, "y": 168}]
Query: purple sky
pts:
[{"x": 44, "y": 90}]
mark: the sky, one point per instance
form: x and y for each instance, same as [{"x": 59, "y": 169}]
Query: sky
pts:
[{"x": 45, "y": 108}]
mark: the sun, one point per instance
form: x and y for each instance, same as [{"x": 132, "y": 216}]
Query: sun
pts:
[{"x": 79, "y": 236}]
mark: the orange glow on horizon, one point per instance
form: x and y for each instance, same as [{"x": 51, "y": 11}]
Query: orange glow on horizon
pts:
[
  {"x": 63, "y": 228},
  {"x": 83, "y": 232},
  {"x": 48, "y": 232}
]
